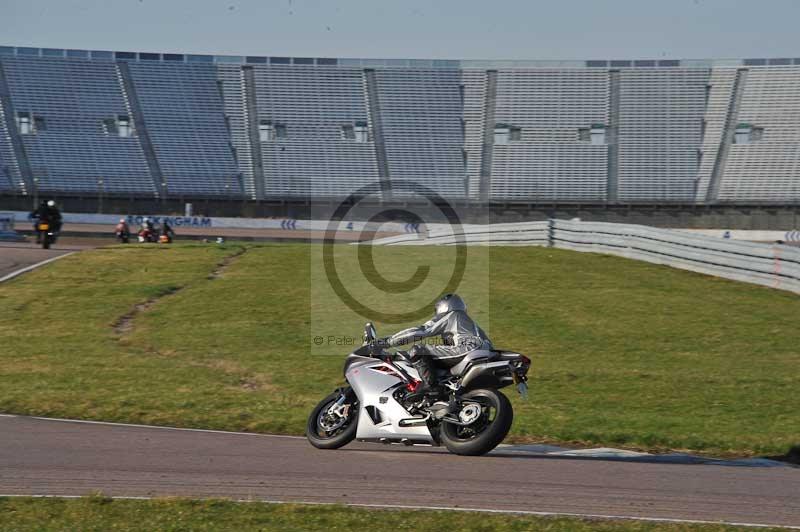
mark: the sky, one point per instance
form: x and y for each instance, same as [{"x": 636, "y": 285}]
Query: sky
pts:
[{"x": 438, "y": 29}]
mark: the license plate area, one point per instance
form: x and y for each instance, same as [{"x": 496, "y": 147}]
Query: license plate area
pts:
[{"x": 522, "y": 388}]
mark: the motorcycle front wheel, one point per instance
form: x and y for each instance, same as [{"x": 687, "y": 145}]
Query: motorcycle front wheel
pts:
[
  {"x": 331, "y": 426},
  {"x": 487, "y": 415}
]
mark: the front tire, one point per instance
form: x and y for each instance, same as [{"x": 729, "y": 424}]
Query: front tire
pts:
[
  {"x": 487, "y": 431},
  {"x": 324, "y": 434}
]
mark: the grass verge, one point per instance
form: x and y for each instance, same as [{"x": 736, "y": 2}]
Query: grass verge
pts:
[
  {"x": 625, "y": 353},
  {"x": 101, "y": 514}
]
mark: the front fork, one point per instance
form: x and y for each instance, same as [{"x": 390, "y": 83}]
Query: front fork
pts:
[{"x": 339, "y": 408}]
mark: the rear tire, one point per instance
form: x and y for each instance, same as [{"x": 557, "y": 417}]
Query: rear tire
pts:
[
  {"x": 46, "y": 241},
  {"x": 489, "y": 435},
  {"x": 318, "y": 437}
]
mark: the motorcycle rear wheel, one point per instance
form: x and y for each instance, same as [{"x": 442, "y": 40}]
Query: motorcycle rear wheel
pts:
[
  {"x": 321, "y": 438},
  {"x": 487, "y": 431}
]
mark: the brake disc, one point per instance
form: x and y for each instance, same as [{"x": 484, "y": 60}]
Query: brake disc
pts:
[
  {"x": 469, "y": 413},
  {"x": 330, "y": 421}
]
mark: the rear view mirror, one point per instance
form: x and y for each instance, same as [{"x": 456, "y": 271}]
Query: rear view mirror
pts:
[{"x": 369, "y": 332}]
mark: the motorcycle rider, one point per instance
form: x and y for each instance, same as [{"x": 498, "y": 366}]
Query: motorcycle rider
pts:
[
  {"x": 166, "y": 230},
  {"x": 35, "y": 216},
  {"x": 46, "y": 212},
  {"x": 459, "y": 333},
  {"x": 147, "y": 232},
  {"x": 122, "y": 231}
]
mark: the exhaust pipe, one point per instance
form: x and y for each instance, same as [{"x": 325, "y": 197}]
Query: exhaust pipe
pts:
[{"x": 414, "y": 421}]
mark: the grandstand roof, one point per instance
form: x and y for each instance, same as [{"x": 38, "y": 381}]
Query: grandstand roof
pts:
[{"x": 107, "y": 55}]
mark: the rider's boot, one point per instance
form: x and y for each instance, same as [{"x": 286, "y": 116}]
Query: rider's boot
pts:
[{"x": 427, "y": 384}]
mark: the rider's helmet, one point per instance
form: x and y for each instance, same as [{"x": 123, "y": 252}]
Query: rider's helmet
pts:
[
  {"x": 51, "y": 203},
  {"x": 122, "y": 220},
  {"x": 146, "y": 220},
  {"x": 449, "y": 303}
]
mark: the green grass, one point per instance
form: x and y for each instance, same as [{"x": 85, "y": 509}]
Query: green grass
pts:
[
  {"x": 625, "y": 353},
  {"x": 101, "y": 514}
]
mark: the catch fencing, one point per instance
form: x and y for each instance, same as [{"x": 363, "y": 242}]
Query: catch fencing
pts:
[{"x": 773, "y": 265}]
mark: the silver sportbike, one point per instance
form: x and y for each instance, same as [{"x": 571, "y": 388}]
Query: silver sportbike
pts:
[{"x": 466, "y": 412}]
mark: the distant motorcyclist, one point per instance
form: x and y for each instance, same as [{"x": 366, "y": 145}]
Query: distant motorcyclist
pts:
[
  {"x": 459, "y": 333},
  {"x": 35, "y": 216},
  {"x": 122, "y": 231},
  {"x": 147, "y": 232},
  {"x": 46, "y": 212},
  {"x": 166, "y": 232},
  {"x": 54, "y": 215}
]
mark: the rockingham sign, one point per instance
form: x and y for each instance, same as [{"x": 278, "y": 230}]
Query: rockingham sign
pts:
[{"x": 174, "y": 221}]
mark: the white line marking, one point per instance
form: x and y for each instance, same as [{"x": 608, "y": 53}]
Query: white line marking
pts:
[
  {"x": 440, "y": 508},
  {"x": 89, "y": 422},
  {"x": 33, "y": 267}
]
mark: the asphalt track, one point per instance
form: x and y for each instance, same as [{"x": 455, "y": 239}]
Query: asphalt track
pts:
[
  {"x": 51, "y": 457},
  {"x": 15, "y": 256}
]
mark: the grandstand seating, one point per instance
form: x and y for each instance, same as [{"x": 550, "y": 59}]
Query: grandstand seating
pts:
[
  {"x": 720, "y": 93},
  {"x": 7, "y": 174},
  {"x": 182, "y": 108},
  {"x": 769, "y": 167},
  {"x": 312, "y": 105},
  {"x": 231, "y": 85},
  {"x": 175, "y": 125},
  {"x": 474, "y": 83},
  {"x": 421, "y": 116},
  {"x": 70, "y": 151},
  {"x": 660, "y": 132},
  {"x": 550, "y": 107}
]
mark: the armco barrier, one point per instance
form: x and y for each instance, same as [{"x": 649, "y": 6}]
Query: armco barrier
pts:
[
  {"x": 509, "y": 234},
  {"x": 776, "y": 266}
]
